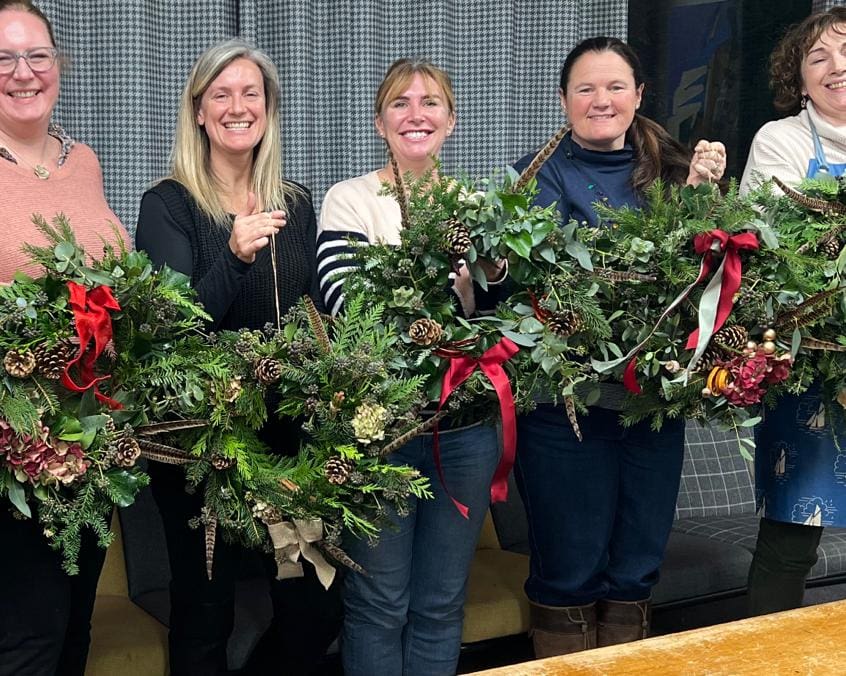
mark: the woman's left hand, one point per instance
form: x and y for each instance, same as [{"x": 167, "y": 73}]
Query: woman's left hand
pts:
[{"x": 708, "y": 162}]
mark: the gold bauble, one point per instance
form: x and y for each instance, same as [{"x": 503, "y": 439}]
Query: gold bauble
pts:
[
  {"x": 706, "y": 392},
  {"x": 769, "y": 347},
  {"x": 770, "y": 334},
  {"x": 752, "y": 345}
]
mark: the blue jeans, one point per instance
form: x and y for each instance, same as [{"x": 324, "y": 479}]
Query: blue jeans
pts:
[
  {"x": 599, "y": 510},
  {"x": 405, "y": 616}
]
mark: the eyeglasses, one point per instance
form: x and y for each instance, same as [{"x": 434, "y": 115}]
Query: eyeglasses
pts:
[{"x": 39, "y": 59}]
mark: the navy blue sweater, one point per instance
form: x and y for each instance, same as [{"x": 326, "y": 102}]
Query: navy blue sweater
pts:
[{"x": 576, "y": 178}]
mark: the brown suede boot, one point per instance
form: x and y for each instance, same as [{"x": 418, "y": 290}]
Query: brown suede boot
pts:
[
  {"x": 622, "y": 621},
  {"x": 558, "y": 630}
]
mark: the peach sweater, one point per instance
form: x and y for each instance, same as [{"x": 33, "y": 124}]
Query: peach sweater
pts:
[{"x": 75, "y": 189}]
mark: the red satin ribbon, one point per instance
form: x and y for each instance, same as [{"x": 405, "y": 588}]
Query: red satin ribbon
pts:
[
  {"x": 630, "y": 377},
  {"x": 731, "y": 246},
  {"x": 91, "y": 314},
  {"x": 460, "y": 369}
]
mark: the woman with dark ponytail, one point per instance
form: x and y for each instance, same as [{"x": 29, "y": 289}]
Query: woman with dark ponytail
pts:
[{"x": 600, "y": 510}]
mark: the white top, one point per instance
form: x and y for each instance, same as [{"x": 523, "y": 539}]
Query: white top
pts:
[
  {"x": 353, "y": 210},
  {"x": 783, "y": 148}
]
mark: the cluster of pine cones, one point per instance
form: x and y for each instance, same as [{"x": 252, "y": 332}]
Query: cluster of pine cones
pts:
[{"x": 48, "y": 361}]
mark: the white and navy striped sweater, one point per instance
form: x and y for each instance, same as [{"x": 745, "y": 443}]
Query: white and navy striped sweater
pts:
[{"x": 352, "y": 210}]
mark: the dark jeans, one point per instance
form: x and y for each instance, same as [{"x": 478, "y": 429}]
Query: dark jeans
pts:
[
  {"x": 784, "y": 555},
  {"x": 306, "y": 619},
  {"x": 45, "y": 614},
  {"x": 600, "y": 510},
  {"x": 404, "y": 618}
]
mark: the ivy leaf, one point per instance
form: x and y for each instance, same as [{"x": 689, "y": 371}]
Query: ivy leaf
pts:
[
  {"x": 124, "y": 486},
  {"x": 521, "y": 243},
  {"x": 580, "y": 252},
  {"x": 547, "y": 253}
]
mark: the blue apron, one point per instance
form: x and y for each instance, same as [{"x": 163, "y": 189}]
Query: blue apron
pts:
[{"x": 800, "y": 477}]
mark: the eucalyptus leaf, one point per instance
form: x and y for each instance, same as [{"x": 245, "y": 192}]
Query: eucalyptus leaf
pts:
[
  {"x": 795, "y": 342},
  {"x": 64, "y": 251},
  {"x": 17, "y": 496},
  {"x": 531, "y": 325},
  {"x": 520, "y": 338}
]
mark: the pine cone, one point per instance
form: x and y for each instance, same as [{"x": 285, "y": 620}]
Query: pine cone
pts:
[
  {"x": 712, "y": 356},
  {"x": 221, "y": 462},
  {"x": 52, "y": 360},
  {"x": 731, "y": 337},
  {"x": 425, "y": 332},
  {"x": 564, "y": 323},
  {"x": 268, "y": 370},
  {"x": 338, "y": 470},
  {"x": 457, "y": 237},
  {"x": 19, "y": 364},
  {"x": 830, "y": 248},
  {"x": 128, "y": 452}
]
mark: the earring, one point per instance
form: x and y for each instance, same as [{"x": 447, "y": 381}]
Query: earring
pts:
[{"x": 803, "y": 104}]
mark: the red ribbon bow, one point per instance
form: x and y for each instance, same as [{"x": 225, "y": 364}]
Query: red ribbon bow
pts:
[
  {"x": 730, "y": 246},
  {"x": 91, "y": 314},
  {"x": 460, "y": 369}
]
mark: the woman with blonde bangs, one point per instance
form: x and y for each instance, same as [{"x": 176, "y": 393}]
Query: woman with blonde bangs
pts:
[
  {"x": 215, "y": 219},
  {"x": 405, "y": 616}
]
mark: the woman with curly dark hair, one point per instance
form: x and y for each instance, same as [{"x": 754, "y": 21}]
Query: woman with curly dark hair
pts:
[{"x": 799, "y": 483}]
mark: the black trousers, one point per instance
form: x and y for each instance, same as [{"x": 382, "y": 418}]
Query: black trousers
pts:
[
  {"x": 784, "y": 555},
  {"x": 45, "y": 614},
  {"x": 306, "y": 619}
]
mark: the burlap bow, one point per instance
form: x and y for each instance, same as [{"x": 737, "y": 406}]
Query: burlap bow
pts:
[{"x": 294, "y": 538}]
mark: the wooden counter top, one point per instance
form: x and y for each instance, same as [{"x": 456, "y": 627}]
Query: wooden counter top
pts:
[{"x": 808, "y": 641}]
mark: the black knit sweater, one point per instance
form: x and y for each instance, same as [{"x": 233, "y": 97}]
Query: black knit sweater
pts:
[{"x": 174, "y": 231}]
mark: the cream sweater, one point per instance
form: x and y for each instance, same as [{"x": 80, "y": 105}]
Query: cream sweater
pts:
[
  {"x": 353, "y": 211},
  {"x": 75, "y": 189},
  {"x": 783, "y": 148}
]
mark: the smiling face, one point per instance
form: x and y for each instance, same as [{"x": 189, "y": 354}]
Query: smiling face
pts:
[
  {"x": 27, "y": 98},
  {"x": 600, "y": 100},
  {"x": 233, "y": 110},
  {"x": 824, "y": 74},
  {"x": 416, "y": 122}
]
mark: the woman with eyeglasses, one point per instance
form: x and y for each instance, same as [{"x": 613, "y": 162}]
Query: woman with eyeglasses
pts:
[{"x": 45, "y": 614}]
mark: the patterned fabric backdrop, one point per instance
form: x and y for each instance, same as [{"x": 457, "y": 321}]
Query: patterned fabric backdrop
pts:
[{"x": 130, "y": 59}]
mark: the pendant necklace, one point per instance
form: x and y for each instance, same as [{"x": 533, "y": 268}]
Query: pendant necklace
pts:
[{"x": 40, "y": 171}]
